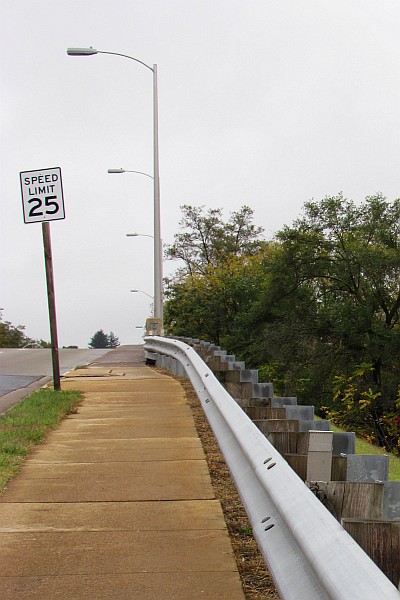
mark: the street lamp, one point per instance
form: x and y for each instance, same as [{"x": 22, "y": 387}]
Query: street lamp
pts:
[
  {"x": 142, "y": 292},
  {"x": 158, "y": 279},
  {"x": 127, "y": 171},
  {"x": 139, "y": 235}
]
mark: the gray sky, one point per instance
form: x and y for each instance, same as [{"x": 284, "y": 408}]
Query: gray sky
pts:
[{"x": 267, "y": 103}]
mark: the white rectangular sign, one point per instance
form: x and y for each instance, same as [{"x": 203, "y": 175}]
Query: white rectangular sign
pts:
[{"x": 42, "y": 195}]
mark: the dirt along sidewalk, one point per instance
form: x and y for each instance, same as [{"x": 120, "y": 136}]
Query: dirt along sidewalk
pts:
[{"x": 117, "y": 503}]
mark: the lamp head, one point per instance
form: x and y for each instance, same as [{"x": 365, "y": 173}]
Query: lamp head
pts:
[
  {"x": 115, "y": 170},
  {"x": 81, "y": 51}
]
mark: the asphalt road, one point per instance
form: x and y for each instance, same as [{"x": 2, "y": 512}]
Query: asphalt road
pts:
[{"x": 24, "y": 370}]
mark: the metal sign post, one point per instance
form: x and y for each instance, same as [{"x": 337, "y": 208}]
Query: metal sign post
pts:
[{"x": 43, "y": 201}]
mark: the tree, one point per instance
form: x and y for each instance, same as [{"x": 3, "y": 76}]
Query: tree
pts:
[
  {"x": 333, "y": 296},
  {"x": 99, "y": 340},
  {"x": 356, "y": 407},
  {"x": 102, "y": 340},
  {"x": 208, "y": 291},
  {"x": 113, "y": 341},
  {"x": 206, "y": 240},
  {"x": 214, "y": 305},
  {"x": 350, "y": 255},
  {"x": 310, "y": 308},
  {"x": 12, "y": 336}
]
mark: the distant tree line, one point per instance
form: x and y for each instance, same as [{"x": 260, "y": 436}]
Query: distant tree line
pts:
[
  {"x": 102, "y": 340},
  {"x": 316, "y": 310},
  {"x": 13, "y": 336}
]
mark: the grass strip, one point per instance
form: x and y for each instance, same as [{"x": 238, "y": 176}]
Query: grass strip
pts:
[{"x": 27, "y": 423}]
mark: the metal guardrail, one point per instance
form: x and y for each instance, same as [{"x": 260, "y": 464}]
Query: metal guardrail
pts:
[{"x": 309, "y": 554}]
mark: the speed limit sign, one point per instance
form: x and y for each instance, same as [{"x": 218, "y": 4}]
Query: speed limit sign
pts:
[{"x": 42, "y": 195}]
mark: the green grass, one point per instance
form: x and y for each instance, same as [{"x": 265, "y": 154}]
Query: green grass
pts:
[
  {"x": 26, "y": 425},
  {"x": 363, "y": 447}
]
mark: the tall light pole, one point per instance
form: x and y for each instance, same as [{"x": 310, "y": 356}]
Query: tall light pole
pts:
[{"x": 158, "y": 277}]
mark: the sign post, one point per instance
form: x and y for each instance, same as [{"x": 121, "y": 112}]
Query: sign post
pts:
[
  {"x": 43, "y": 201},
  {"x": 51, "y": 300}
]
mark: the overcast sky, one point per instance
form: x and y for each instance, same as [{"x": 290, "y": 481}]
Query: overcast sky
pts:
[{"x": 265, "y": 103}]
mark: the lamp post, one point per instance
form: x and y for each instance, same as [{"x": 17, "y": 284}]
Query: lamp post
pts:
[{"x": 158, "y": 279}]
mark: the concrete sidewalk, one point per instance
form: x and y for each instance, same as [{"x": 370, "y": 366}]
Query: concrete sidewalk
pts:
[{"x": 118, "y": 503}]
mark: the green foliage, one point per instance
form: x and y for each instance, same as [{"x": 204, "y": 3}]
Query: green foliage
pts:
[
  {"x": 214, "y": 306},
  {"x": 333, "y": 296},
  {"x": 357, "y": 406},
  {"x": 12, "y": 336},
  {"x": 206, "y": 240},
  {"x": 113, "y": 341},
  {"x": 26, "y": 424},
  {"x": 102, "y": 340},
  {"x": 311, "y": 306},
  {"x": 99, "y": 340},
  {"x": 275, "y": 374}
]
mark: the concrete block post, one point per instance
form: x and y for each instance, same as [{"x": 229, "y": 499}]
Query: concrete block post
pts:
[
  {"x": 319, "y": 461},
  {"x": 391, "y": 501},
  {"x": 368, "y": 468}
]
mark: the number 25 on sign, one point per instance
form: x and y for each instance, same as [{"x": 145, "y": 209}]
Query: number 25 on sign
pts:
[{"x": 42, "y": 195}]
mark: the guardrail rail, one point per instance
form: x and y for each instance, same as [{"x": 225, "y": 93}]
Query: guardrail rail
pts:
[{"x": 309, "y": 554}]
